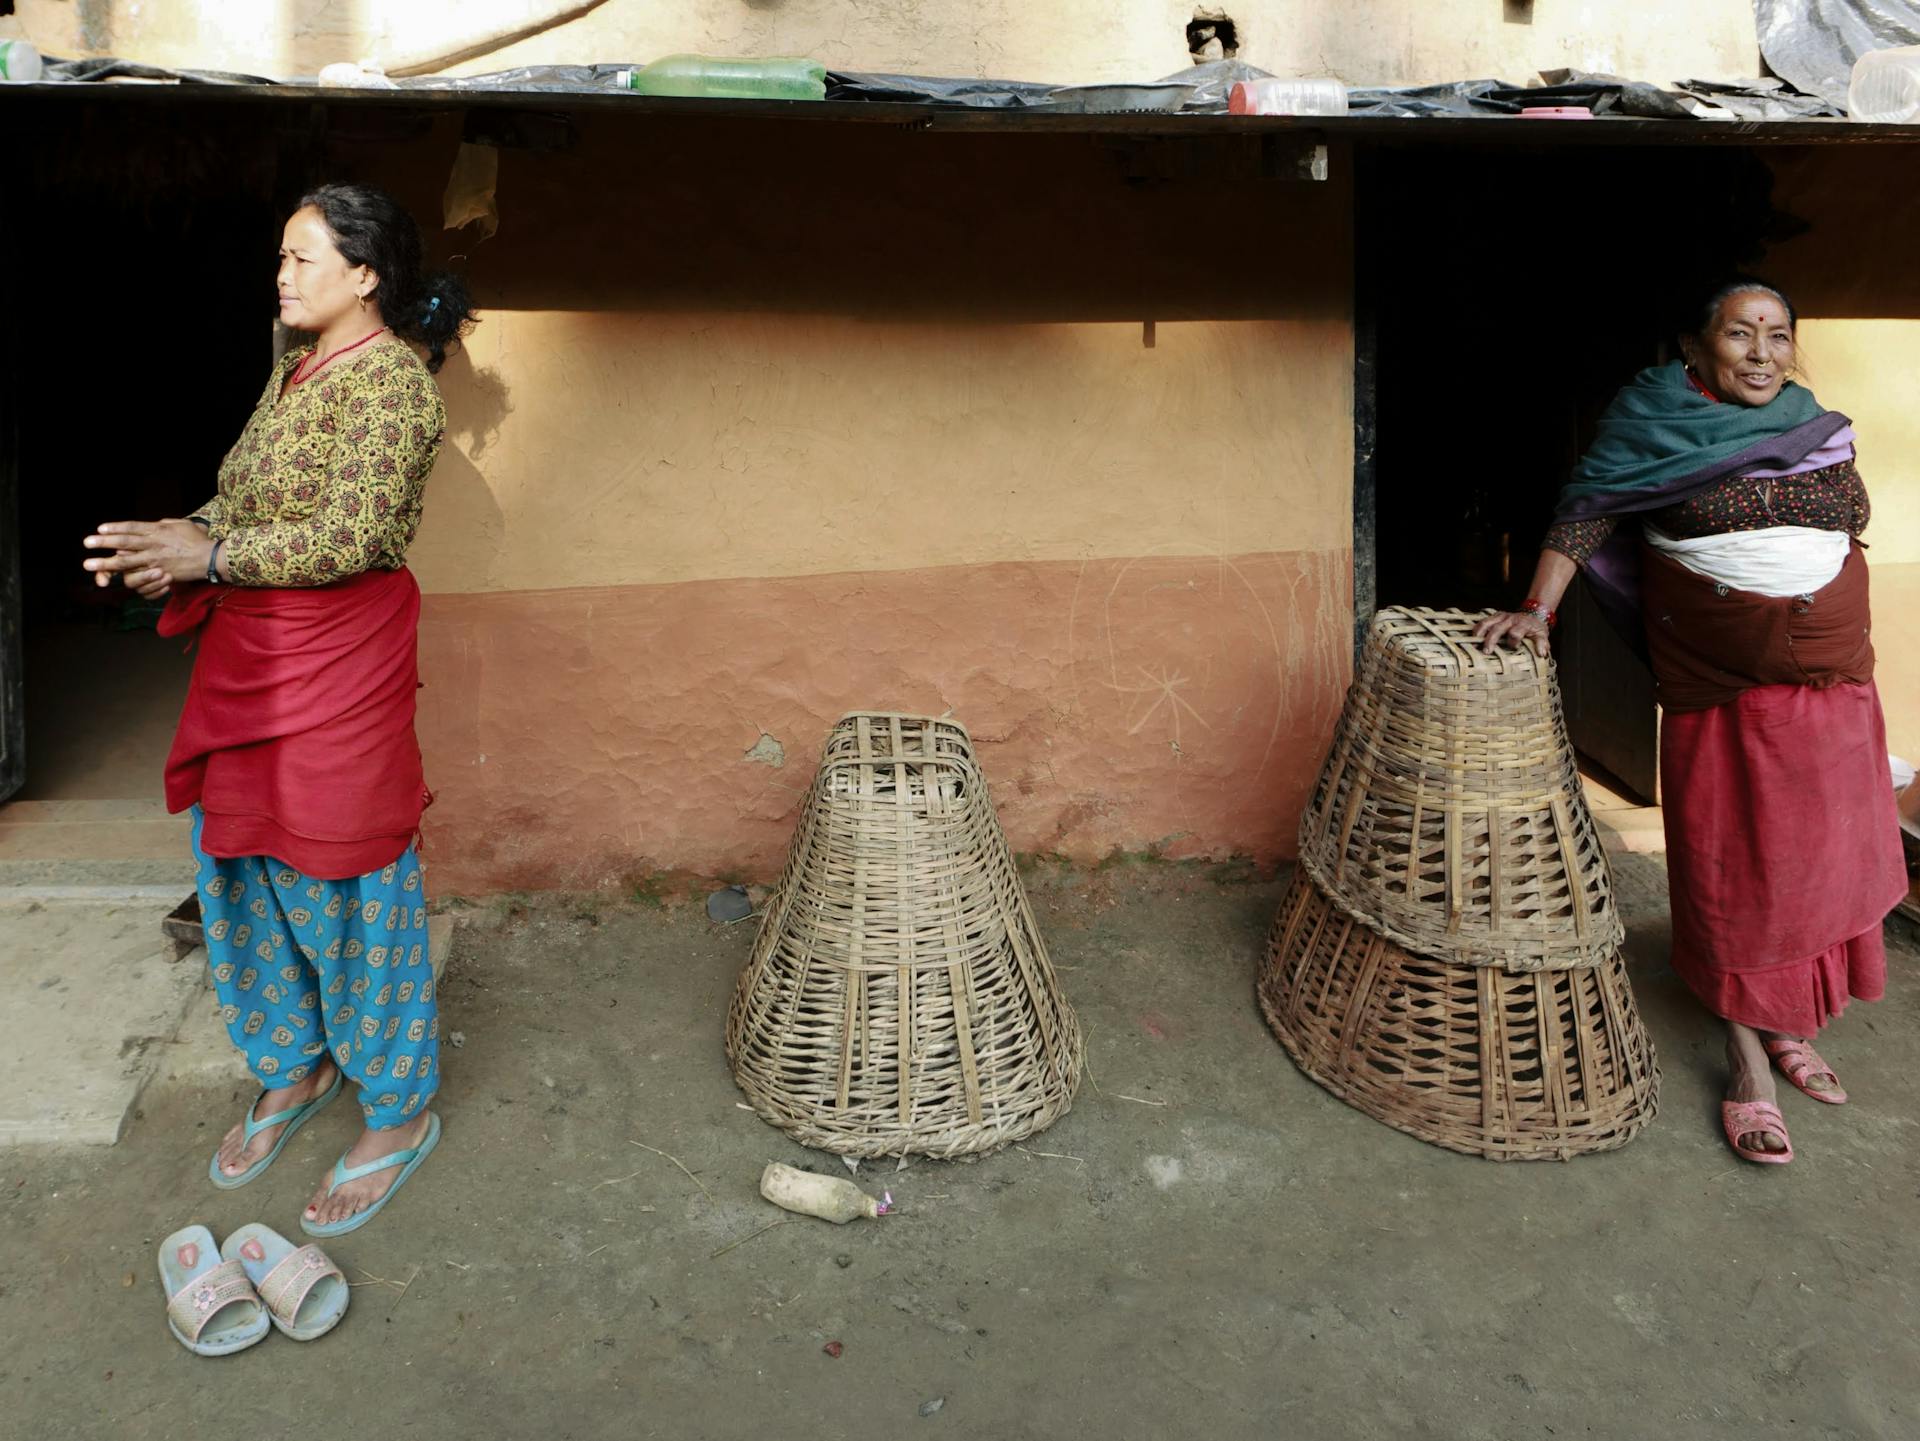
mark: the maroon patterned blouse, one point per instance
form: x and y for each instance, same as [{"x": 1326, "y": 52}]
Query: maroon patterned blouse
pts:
[{"x": 1831, "y": 499}]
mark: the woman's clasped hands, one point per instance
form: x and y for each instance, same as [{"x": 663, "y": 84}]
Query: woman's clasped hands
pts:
[{"x": 150, "y": 556}]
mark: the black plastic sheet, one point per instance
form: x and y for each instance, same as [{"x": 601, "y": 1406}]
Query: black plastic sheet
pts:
[
  {"x": 1767, "y": 99},
  {"x": 1208, "y": 86},
  {"x": 1602, "y": 94},
  {"x": 1457, "y": 98},
  {"x": 1758, "y": 100},
  {"x": 108, "y": 68},
  {"x": 1813, "y": 43},
  {"x": 939, "y": 90},
  {"x": 533, "y": 79}
]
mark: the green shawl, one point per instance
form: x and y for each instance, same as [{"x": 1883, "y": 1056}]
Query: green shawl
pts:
[{"x": 1661, "y": 436}]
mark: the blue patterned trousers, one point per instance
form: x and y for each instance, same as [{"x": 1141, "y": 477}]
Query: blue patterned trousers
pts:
[{"x": 305, "y": 968}]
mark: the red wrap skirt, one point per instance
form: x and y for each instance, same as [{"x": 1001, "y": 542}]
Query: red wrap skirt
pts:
[
  {"x": 297, "y": 738},
  {"x": 1783, "y": 852}
]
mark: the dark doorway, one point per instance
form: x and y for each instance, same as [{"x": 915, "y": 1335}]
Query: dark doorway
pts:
[
  {"x": 1507, "y": 295},
  {"x": 140, "y": 331}
]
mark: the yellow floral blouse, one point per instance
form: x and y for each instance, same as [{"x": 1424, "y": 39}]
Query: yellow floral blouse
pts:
[{"x": 326, "y": 481}]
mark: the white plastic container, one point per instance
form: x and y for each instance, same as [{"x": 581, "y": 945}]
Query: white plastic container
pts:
[
  {"x": 19, "y": 62},
  {"x": 1287, "y": 97},
  {"x": 345, "y": 75},
  {"x": 1886, "y": 86},
  {"x": 831, "y": 1198}
]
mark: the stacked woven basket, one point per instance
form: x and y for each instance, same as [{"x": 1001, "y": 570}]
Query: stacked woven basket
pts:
[{"x": 1448, "y": 957}]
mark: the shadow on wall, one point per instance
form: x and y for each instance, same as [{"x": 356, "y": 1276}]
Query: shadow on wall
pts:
[
  {"x": 478, "y": 402},
  {"x": 463, "y": 529}
]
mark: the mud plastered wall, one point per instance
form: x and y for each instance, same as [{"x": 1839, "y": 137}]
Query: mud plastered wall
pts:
[{"x": 764, "y": 424}]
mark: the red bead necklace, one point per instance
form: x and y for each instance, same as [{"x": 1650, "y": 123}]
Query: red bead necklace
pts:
[{"x": 306, "y": 371}]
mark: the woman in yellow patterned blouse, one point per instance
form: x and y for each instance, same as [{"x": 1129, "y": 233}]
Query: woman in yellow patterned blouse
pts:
[{"x": 296, "y": 750}]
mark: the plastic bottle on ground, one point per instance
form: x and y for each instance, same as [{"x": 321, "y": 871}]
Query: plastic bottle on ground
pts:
[
  {"x": 831, "y": 1198},
  {"x": 19, "y": 62},
  {"x": 702, "y": 77},
  {"x": 1886, "y": 86}
]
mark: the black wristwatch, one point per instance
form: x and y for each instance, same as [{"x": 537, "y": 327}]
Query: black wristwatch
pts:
[{"x": 213, "y": 563}]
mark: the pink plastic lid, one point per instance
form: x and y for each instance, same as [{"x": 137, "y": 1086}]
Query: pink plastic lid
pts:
[{"x": 1557, "y": 112}]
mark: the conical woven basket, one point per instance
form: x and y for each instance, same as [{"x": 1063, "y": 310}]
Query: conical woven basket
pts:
[
  {"x": 1449, "y": 815},
  {"x": 1513, "y": 1066},
  {"x": 899, "y": 998}
]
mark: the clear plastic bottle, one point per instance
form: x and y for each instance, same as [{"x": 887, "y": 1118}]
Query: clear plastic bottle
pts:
[
  {"x": 19, "y": 62},
  {"x": 1287, "y": 97},
  {"x": 1886, "y": 86},
  {"x": 702, "y": 77}
]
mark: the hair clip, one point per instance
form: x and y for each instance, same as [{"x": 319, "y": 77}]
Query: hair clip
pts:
[{"x": 432, "y": 305}]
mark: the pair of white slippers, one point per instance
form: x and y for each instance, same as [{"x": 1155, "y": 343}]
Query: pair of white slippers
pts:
[{"x": 223, "y": 1299}]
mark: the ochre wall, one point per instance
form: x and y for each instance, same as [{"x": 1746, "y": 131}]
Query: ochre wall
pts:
[
  {"x": 1867, "y": 368},
  {"x": 1852, "y": 276},
  {"x": 765, "y": 423},
  {"x": 1065, "y": 41},
  {"x": 645, "y": 449}
]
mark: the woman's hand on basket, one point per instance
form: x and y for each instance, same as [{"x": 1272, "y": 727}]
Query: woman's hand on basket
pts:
[
  {"x": 149, "y": 555},
  {"x": 1512, "y": 628}
]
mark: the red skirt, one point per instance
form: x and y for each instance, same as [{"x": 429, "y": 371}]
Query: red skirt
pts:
[
  {"x": 297, "y": 738},
  {"x": 1783, "y": 853}
]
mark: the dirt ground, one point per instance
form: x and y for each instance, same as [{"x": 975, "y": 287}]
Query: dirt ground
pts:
[{"x": 1250, "y": 1258}]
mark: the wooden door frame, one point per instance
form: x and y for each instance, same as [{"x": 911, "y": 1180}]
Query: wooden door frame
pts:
[
  {"x": 13, "y": 691},
  {"x": 1366, "y": 386}
]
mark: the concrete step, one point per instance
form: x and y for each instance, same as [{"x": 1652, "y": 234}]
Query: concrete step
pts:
[
  {"x": 1640, "y": 830},
  {"x": 120, "y": 846},
  {"x": 91, "y": 994},
  {"x": 1626, "y": 826}
]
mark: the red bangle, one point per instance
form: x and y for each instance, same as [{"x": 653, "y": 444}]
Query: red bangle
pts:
[{"x": 1535, "y": 607}]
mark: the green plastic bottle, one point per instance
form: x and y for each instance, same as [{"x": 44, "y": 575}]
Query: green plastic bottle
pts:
[
  {"x": 700, "y": 76},
  {"x": 19, "y": 62}
]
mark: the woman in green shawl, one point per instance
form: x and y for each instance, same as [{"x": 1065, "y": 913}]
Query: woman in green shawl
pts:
[{"x": 1717, "y": 518}]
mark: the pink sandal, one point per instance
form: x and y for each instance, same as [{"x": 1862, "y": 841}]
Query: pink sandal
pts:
[
  {"x": 1748, "y": 1118},
  {"x": 1797, "y": 1060}
]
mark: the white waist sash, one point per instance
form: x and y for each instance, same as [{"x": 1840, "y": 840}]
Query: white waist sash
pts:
[{"x": 1780, "y": 560}]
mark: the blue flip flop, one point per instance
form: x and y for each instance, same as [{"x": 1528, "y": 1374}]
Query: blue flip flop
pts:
[
  {"x": 289, "y": 1121},
  {"x": 408, "y": 1160}
]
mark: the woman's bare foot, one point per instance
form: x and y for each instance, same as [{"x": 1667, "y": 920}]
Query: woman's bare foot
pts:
[
  {"x": 236, "y": 1153},
  {"x": 1750, "y": 1078},
  {"x": 356, "y": 1196}
]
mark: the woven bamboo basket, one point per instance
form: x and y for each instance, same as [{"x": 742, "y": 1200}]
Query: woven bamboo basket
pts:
[
  {"x": 1510, "y": 1065},
  {"x": 899, "y": 998},
  {"x": 1449, "y": 815}
]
